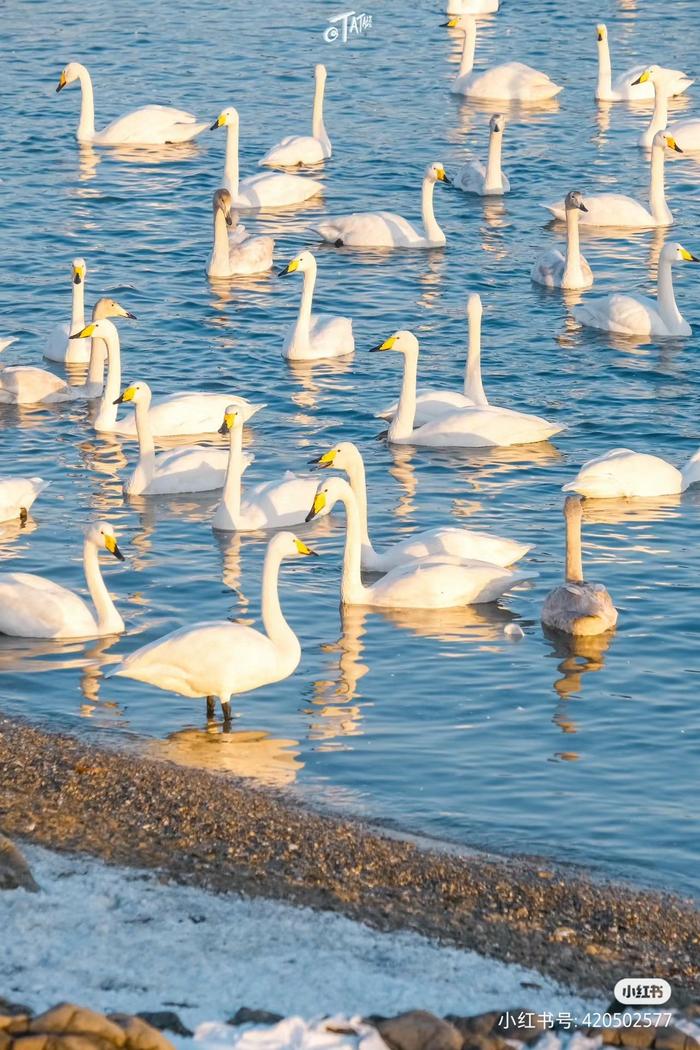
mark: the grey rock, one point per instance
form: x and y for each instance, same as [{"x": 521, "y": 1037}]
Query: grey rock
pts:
[
  {"x": 419, "y": 1030},
  {"x": 247, "y": 1016},
  {"x": 15, "y": 873},
  {"x": 165, "y": 1021}
]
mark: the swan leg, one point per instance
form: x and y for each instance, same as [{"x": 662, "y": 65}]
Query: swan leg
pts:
[
  {"x": 23, "y": 516},
  {"x": 211, "y": 708},
  {"x": 226, "y": 710}
]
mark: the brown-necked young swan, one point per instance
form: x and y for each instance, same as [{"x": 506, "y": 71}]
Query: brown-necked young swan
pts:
[{"x": 235, "y": 253}]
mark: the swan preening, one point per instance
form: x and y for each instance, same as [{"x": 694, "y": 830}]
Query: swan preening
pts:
[
  {"x": 386, "y": 229},
  {"x": 577, "y": 608},
  {"x": 637, "y": 315},
  {"x": 314, "y": 336},
  {"x": 479, "y": 426},
  {"x": 17, "y": 496},
  {"x": 508, "y": 82},
  {"x": 148, "y": 126},
  {"x": 235, "y": 254},
  {"x": 304, "y": 149},
  {"x": 269, "y": 189},
  {"x": 219, "y": 659},
  {"x": 437, "y": 582},
  {"x": 627, "y": 87},
  {"x": 686, "y": 133},
  {"x": 443, "y": 540},
  {"x": 34, "y": 607},
  {"x": 624, "y": 474},
  {"x": 616, "y": 209},
  {"x": 555, "y": 270},
  {"x": 60, "y": 346},
  {"x": 489, "y": 181}
]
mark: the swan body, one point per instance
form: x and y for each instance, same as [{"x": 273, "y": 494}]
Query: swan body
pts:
[
  {"x": 269, "y": 189},
  {"x": 385, "y": 229},
  {"x": 626, "y": 87},
  {"x": 314, "y": 336},
  {"x": 616, "y": 209},
  {"x": 238, "y": 254},
  {"x": 554, "y": 269},
  {"x": 18, "y": 494},
  {"x": 471, "y": 7},
  {"x": 34, "y": 607},
  {"x": 577, "y": 608},
  {"x": 443, "y": 540},
  {"x": 304, "y": 149},
  {"x": 637, "y": 314},
  {"x": 624, "y": 474},
  {"x": 60, "y": 347},
  {"x": 148, "y": 126},
  {"x": 489, "y": 181},
  {"x": 218, "y": 658},
  {"x": 508, "y": 82},
  {"x": 685, "y": 132}
]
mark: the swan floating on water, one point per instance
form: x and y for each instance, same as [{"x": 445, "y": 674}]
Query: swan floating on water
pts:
[
  {"x": 60, "y": 346},
  {"x": 313, "y": 337},
  {"x": 555, "y": 270},
  {"x": 236, "y": 254},
  {"x": 624, "y": 474},
  {"x": 507, "y": 82},
  {"x": 627, "y": 87},
  {"x": 304, "y": 149},
  {"x": 471, "y": 7},
  {"x": 686, "y": 133},
  {"x": 17, "y": 496},
  {"x": 489, "y": 181}
]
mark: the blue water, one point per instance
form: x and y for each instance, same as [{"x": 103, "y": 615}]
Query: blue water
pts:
[{"x": 437, "y": 723}]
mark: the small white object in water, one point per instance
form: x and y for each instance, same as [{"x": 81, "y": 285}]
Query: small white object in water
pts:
[{"x": 513, "y": 631}]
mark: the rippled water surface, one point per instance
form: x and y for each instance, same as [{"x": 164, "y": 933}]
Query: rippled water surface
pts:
[{"x": 435, "y": 722}]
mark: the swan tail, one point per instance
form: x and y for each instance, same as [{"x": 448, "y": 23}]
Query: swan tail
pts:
[
  {"x": 4, "y": 343},
  {"x": 690, "y": 473}
]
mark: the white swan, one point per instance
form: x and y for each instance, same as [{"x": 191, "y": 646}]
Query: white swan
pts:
[
  {"x": 385, "y": 229},
  {"x": 615, "y": 209},
  {"x": 489, "y": 181},
  {"x": 577, "y": 607},
  {"x": 626, "y": 86},
  {"x": 272, "y": 504},
  {"x": 471, "y": 7},
  {"x": 508, "y": 82},
  {"x": 446, "y": 540},
  {"x": 624, "y": 474},
  {"x": 555, "y": 270},
  {"x": 685, "y": 132},
  {"x": 60, "y": 347},
  {"x": 637, "y": 314},
  {"x": 438, "y": 582},
  {"x": 269, "y": 189},
  {"x": 34, "y": 607},
  {"x": 148, "y": 126},
  {"x": 221, "y": 659},
  {"x": 174, "y": 415},
  {"x": 17, "y": 496},
  {"x": 236, "y": 254},
  {"x": 196, "y": 468},
  {"x": 304, "y": 149},
  {"x": 479, "y": 427},
  {"x": 314, "y": 336}
]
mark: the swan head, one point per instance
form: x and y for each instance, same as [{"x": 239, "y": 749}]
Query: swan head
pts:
[
  {"x": 574, "y": 201},
  {"x": 320, "y": 72},
  {"x": 675, "y": 253},
  {"x": 101, "y": 534},
  {"x": 106, "y": 307},
  {"x": 435, "y": 172},
  {"x": 69, "y": 74},
  {"x": 300, "y": 263},
  {"x": 232, "y": 419},
  {"x": 341, "y": 457},
  {"x": 664, "y": 140},
  {"x": 222, "y": 201},
  {"x": 497, "y": 124},
  {"x": 135, "y": 393},
  {"x": 467, "y": 23},
  {"x": 103, "y": 329},
  {"x": 227, "y": 118},
  {"x": 287, "y": 545},
  {"x": 403, "y": 341},
  {"x": 79, "y": 271},
  {"x": 328, "y": 493},
  {"x": 655, "y": 74},
  {"x": 601, "y": 32},
  {"x": 474, "y": 307}
]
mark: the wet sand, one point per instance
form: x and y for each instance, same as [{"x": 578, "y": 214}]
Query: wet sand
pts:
[{"x": 210, "y": 830}]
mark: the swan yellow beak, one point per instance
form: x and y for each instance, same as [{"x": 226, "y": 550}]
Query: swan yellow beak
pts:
[
  {"x": 111, "y": 546},
  {"x": 85, "y": 333},
  {"x": 219, "y": 122},
  {"x": 291, "y": 267},
  {"x": 450, "y": 24},
  {"x": 646, "y": 75},
  {"x": 303, "y": 549},
  {"x": 441, "y": 175},
  {"x": 386, "y": 345},
  {"x": 672, "y": 144},
  {"x": 228, "y": 423},
  {"x": 326, "y": 460},
  {"x": 61, "y": 81},
  {"x": 128, "y": 395},
  {"x": 78, "y": 274},
  {"x": 688, "y": 256},
  {"x": 318, "y": 505},
  {"x": 601, "y": 32}
]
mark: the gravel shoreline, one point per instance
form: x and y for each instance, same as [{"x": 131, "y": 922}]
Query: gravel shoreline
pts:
[{"x": 210, "y": 830}]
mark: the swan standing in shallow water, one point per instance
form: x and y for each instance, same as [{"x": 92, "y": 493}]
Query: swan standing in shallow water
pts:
[
  {"x": 220, "y": 659},
  {"x": 637, "y": 314},
  {"x": 624, "y": 474},
  {"x": 60, "y": 347},
  {"x": 508, "y": 82},
  {"x": 569, "y": 271},
  {"x": 17, "y": 496},
  {"x": 488, "y": 181},
  {"x": 444, "y": 540},
  {"x": 577, "y": 607},
  {"x": 148, "y": 126},
  {"x": 685, "y": 132},
  {"x": 437, "y": 582},
  {"x": 386, "y": 229},
  {"x": 237, "y": 254},
  {"x": 615, "y": 209},
  {"x": 481, "y": 426},
  {"x": 269, "y": 189},
  {"x": 34, "y": 607},
  {"x": 304, "y": 149},
  {"x": 627, "y": 87},
  {"x": 313, "y": 337}
]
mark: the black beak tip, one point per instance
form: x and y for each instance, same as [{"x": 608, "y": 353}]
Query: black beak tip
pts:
[
  {"x": 283, "y": 272},
  {"x": 310, "y": 515},
  {"x": 77, "y": 279},
  {"x": 637, "y": 81},
  {"x": 118, "y": 554},
  {"x": 58, "y": 88},
  {"x": 314, "y": 554},
  {"x": 118, "y": 401},
  {"x": 229, "y": 220},
  {"x": 223, "y": 429},
  {"x": 583, "y": 207},
  {"x": 132, "y": 317},
  {"x": 214, "y": 125}
]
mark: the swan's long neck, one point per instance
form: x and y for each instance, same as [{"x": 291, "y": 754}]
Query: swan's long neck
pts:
[
  {"x": 433, "y": 232},
  {"x": 659, "y": 118},
  {"x": 358, "y": 483},
  {"x": 402, "y": 423},
  {"x": 96, "y": 366},
  {"x": 108, "y": 619},
  {"x": 657, "y": 190},
  {"x": 77, "y": 320},
  {"x": 352, "y": 590},
  {"x": 303, "y": 326},
  {"x": 230, "y": 180},
  {"x": 107, "y": 415},
  {"x": 473, "y": 387},
  {"x": 574, "y": 563},
  {"x": 276, "y": 627},
  {"x": 665, "y": 295},
  {"x": 494, "y": 174},
  {"x": 220, "y": 254},
  {"x": 467, "y": 63},
  {"x": 231, "y": 497},
  {"x": 573, "y": 272},
  {"x": 604, "y": 70},
  {"x": 318, "y": 128},
  {"x": 86, "y": 126}
]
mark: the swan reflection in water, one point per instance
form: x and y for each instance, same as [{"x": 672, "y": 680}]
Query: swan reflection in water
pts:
[
  {"x": 315, "y": 377},
  {"x": 249, "y": 753},
  {"x": 334, "y": 712},
  {"x": 12, "y": 532},
  {"x": 578, "y": 657},
  {"x": 46, "y": 655}
]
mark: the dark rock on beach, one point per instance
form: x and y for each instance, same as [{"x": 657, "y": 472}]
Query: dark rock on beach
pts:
[
  {"x": 419, "y": 1030},
  {"x": 70, "y": 1027},
  {"x": 165, "y": 1021},
  {"x": 247, "y": 1016},
  {"x": 15, "y": 873}
]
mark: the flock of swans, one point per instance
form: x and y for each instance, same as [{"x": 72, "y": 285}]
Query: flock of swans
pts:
[{"x": 439, "y": 568}]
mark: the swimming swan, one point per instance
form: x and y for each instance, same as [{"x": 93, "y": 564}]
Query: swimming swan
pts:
[
  {"x": 479, "y": 427},
  {"x": 60, "y": 347},
  {"x": 624, "y": 474},
  {"x": 17, "y": 496},
  {"x": 218, "y": 658},
  {"x": 304, "y": 149},
  {"x": 508, "y": 82},
  {"x": 637, "y": 314},
  {"x": 269, "y": 189},
  {"x": 576, "y": 607},
  {"x": 34, "y": 607},
  {"x": 148, "y": 126},
  {"x": 314, "y": 336},
  {"x": 555, "y": 270},
  {"x": 238, "y": 254},
  {"x": 447, "y": 540},
  {"x": 487, "y": 181},
  {"x": 272, "y": 504},
  {"x": 438, "y": 582},
  {"x": 615, "y": 209},
  {"x": 626, "y": 87},
  {"x": 685, "y": 132},
  {"x": 385, "y": 229}
]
